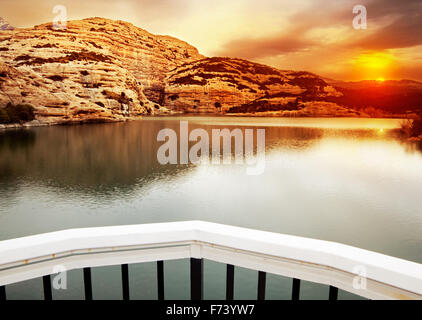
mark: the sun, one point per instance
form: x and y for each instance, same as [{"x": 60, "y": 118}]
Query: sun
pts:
[
  {"x": 375, "y": 60},
  {"x": 374, "y": 65}
]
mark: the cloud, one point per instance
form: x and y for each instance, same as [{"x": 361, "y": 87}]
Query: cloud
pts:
[
  {"x": 293, "y": 39},
  {"x": 250, "y": 48},
  {"x": 381, "y": 8},
  {"x": 404, "y": 31},
  {"x": 391, "y": 24},
  {"x": 27, "y": 13}
]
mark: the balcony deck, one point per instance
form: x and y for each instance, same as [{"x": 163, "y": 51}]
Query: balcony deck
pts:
[{"x": 337, "y": 265}]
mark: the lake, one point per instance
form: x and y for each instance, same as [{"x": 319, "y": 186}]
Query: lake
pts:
[{"x": 352, "y": 181}]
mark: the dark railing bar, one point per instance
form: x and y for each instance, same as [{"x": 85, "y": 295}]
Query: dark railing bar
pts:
[
  {"x": 230, "y": 282},
  {"x": 125, "y": 282},
  {"x": 296, "y": 289},
  {"x": 333, "y": 293},
  {"x": 262, "y": 277},
  {"x": 2, "y": 293},
  {"x": 196, "y": 279},
  {"x": 48, "y": 295},
  {"x": 160, "y": 279},
  {"x": 87, "y": 283}
]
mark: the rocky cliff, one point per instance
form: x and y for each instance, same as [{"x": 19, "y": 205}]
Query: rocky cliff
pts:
[
  {"x": 94, "y": 70},
  {"x": 236, "y": 86},
  {"x": 104, "y": 70}
]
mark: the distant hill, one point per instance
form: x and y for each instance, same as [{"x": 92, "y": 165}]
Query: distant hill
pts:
[
  {"x": 391, "y": 96},
  {"x": 373, "y": 83},
  {"x": 4, "y": 25}
]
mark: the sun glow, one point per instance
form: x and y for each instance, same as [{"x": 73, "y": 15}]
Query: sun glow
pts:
[{"x": 374, "y": 65}]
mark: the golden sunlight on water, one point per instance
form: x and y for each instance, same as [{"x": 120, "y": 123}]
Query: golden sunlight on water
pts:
[{"x": 327, "y": 123}]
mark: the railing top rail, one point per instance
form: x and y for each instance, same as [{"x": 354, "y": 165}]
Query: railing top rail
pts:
[{"x": 389, "y": 270}]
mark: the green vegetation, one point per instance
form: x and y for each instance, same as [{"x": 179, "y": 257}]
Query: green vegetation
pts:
[
  {"x": 19, "y": 113},
  {"x": 416, "y": 128},
  {"x": 83, "y": 55},
  {"x": 4, "y": 117},
  {"x": 263, "y": 104},
  {"x": 412, "y": 128}
]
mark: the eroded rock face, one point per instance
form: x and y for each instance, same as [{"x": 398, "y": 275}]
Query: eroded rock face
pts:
[
  {"x": 224, "y": 85},
  {"x": 95, "y": 70},
  {"x": 104, "y": 70}
]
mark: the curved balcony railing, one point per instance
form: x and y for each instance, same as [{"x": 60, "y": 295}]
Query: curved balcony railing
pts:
[{"x": 299, "y": 258}]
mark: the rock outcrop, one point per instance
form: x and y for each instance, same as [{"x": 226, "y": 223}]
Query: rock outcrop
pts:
[
  {"x": 225, "y": 85},
  {"x": 94, "y": 70}
]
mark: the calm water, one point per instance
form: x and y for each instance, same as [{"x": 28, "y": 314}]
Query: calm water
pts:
[{"x": 347, "y": 180}]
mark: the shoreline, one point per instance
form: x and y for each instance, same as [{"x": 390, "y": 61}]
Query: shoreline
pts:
[{"x": 39, "y": 123}]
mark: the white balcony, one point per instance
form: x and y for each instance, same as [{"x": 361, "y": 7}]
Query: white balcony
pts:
[{"x": 313, "y": 260}]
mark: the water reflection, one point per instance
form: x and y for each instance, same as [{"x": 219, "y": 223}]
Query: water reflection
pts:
[
  {"x": 319, "y": 181},
  {"x": 102, "y": 158},
  {"x": 17, "y": 139},
  {"x": 114, "y": 159},
  {"x": 87, "y": 158},
  {"x": 411, "y": 146},
  {"x": 354, "y": 181}
]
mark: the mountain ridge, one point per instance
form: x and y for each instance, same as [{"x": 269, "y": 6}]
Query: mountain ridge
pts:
[{"x": 100, "y": 69}]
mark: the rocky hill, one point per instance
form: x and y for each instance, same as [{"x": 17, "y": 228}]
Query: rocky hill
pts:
[
  {"x": 236, "y": 86},
  {"x": 95, "y": 70},
  {"x": 380, "y": 98}
]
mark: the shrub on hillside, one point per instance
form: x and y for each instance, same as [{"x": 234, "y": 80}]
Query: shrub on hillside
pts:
[
  {"x": 416, "y": 127},
  {"x": 19, "y": 113},
  {"x": 4, "y": 117}
]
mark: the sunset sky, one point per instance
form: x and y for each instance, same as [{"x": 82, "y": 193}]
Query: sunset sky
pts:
[{"x": 312, "y": 35}]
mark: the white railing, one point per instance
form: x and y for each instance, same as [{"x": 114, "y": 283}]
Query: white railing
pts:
[{"x": 296, "y": 257}]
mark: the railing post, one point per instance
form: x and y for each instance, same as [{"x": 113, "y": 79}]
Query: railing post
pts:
[
  {"x": 47, "y": 288},
  {"x": 230, "y": 282},
  {"x": 196, "y": 279},
  {"x": 333, "y": 293},
  {"x": 160, "y": 279},
  {"x": 88, "y": 283},
  {"x": 262, "y": 277},
  {"x": 2, "y": 293},
  {"x": 296, "y": 289},
  {"x": 125, "y": 282}
]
